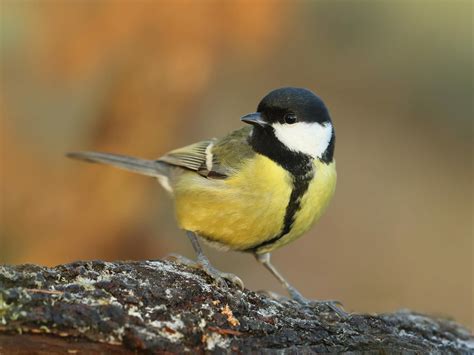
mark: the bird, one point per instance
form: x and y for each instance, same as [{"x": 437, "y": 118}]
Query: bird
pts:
[{"x": 256, "y": 189}]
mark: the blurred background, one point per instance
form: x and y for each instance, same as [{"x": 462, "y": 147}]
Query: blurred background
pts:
[{"x": 144, "y": 77}]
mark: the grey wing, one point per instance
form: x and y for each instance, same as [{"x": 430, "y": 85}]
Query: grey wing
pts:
[
  {"x": 197, "y": 157},
  {"x": 190, "y": 157}
]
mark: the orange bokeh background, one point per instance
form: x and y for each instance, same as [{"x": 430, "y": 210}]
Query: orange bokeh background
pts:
[{"x": 144, "y": 77}]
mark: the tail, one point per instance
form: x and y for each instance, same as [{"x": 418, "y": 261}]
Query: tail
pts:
[{"x": 136, "y": 165}]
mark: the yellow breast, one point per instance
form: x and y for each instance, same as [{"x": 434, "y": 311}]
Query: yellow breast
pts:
[
  {"x": 312, "y": 206},
  {"x": 249, "y": 207}
]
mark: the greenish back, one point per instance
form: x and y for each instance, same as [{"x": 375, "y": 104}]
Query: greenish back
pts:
[{"x": 232, "y": 151}]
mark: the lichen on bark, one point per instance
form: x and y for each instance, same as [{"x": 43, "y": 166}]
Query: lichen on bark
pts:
[{"x": 161, "y": 306}]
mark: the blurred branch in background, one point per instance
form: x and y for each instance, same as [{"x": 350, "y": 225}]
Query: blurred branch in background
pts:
[{"x": 141, "y": 78}]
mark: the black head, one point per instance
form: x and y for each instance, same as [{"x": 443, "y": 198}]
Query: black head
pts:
[
  {"x": 290, "y": 105},
  {"x": 292, "y": 121}
]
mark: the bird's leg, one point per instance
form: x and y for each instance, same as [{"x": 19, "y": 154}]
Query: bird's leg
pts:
[
  {"x": 264, "y": 259},
  {"x": 204, "y": 264}
]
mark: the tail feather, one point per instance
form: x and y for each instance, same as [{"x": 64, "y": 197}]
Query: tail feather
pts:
[{"x": 136, "y": 165}]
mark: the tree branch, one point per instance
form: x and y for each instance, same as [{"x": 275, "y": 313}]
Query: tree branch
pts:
[{"x": 160, "y": 306}]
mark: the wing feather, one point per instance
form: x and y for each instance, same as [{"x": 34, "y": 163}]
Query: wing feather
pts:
[
  {"x": 191, "y": 157},
  {"x": 213, "y": 158}
]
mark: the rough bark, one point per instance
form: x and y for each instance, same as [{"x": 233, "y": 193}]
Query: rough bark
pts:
[{"x": 160, "y": 306}]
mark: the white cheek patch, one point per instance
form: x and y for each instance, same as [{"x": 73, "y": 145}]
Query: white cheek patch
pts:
[{"x": 303, "y": 137}]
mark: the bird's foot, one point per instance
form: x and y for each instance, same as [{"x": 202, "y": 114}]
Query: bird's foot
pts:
[
  {"x": 203, "y": 263},
  {"x": 273, "y": 295},
  {"x": 181, "y": 260},
  {"x": 334, "y": 306}
]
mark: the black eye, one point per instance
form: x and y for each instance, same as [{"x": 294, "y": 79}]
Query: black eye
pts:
[{"x": 290, "y": 118}]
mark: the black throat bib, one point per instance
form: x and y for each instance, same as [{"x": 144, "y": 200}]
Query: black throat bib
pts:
[{"x": 299, "y": 165}]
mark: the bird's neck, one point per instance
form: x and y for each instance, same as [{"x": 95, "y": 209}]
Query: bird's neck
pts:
[{"x": 264, "y": 142}]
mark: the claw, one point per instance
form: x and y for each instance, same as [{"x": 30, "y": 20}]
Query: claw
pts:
[
  {"x": 218, "y": 276},
  {"x": 237, "y": 281},
  {"x": 334, "y": 306},
  {"x": 181, "y": 260},
  {"x": 272, "y": 295}
]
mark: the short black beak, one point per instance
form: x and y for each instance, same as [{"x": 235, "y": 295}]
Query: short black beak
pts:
[{"x": 255, "y": 119}]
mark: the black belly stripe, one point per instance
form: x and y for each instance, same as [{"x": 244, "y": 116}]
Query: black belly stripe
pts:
[
  {"x": 300, "y": 186},
  {"x": 299, "y": 165}
]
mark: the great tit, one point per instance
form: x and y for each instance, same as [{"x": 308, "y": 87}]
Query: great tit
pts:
[{"x": 255, "y": 190}]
